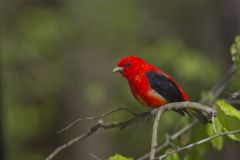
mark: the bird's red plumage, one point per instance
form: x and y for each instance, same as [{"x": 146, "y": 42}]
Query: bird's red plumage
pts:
[
  {"x": 154, "y": 88},
  {"x": 134, "y": 70}
]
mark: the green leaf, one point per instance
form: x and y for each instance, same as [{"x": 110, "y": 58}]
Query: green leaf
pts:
[
  {"x": 214, "y": 128},
  {"x": 235, "y": 52},
  {"x": 229, "y": 118},
  {"x": 174, "y": 156},
  {"x": 119, "y": 157}
]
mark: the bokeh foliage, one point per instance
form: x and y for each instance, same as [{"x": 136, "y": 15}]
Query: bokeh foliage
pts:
[{"x": 57, "y": 58}]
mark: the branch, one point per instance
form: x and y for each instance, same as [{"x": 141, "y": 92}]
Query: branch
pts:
[
  {"x": 96, "y": 127},
  {"x": 123, "y": 125},
  {"x": 154, "y": 134},
  {"x": 197, "y": 143},
  {"x": 188, "y": 104},
  {"x": 171, "y": 106},
  {"x": 94, "y": 157},
  {"x": 96, "y": 117},
  {"x": 223, "y": 83},
  {"x": 169, "y": 138}
]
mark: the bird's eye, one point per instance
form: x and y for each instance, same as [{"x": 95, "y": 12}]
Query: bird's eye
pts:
[{"x": 128, "y": 64}]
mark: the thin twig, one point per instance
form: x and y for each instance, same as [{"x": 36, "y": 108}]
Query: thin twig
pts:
[
  {"x": 94, "y": 157},
  {"x": 183, "y": 130},
  {"x": 197, "y": 143},
  {"x": 96, "y": 117},
  {"x": 96, "y": 127},
  {"x": 213, "y": 125},
  {"x": 220, "y": 86},
  {"x": 218, "y": 89},
  {"x": 154, "y": 133}
]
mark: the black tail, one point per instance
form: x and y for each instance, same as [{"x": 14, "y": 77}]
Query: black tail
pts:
[{"x": 201, "y": 116}]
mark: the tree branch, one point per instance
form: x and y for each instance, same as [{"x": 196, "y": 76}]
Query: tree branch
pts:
[
  {"x": 94, "y": 157},
  {"x": 122, "y": 125},
  {"x": 154, "y": 133},
  {"x": 197, "y": 143},
  {"x": 96, "y": 127},
  {"x": 96, "y": 117},
  {"x": 182, "y": 105},
  {"x": 223, "y": 83},
  {"x": 169, "y": 138},
  {"x": 171, "y": 106}
]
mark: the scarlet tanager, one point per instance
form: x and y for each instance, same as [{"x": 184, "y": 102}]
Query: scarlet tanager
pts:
[{"x": 152, "y": 87}]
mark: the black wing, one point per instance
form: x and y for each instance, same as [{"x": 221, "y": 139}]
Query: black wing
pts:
[
  {"x": 164, "y": 87},
  {"x": 169, "y": 91}
]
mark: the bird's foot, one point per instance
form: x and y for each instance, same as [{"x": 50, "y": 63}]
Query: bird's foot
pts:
[{"x": 154, "y": 111}]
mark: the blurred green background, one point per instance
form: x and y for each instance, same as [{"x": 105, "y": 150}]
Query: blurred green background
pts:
[{"x": 56, "y": 63}]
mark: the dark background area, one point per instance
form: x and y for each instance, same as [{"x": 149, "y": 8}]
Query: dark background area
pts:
[{"x": 56, "y": 63}]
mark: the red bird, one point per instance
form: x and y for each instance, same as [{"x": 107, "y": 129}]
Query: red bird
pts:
[{"x": 152, "y": 87}]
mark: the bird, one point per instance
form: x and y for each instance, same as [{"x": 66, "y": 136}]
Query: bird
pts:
[{"x": 154, "y": 88}]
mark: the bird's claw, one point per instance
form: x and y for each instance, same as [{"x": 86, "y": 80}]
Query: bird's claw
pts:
[{"x": 154, "y": 111}]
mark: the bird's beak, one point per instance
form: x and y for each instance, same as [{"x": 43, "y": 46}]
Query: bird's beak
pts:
[{"x": 117, "y": 69}]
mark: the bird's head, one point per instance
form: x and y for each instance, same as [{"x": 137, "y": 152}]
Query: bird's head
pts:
[{"x": 129, "y": 66}]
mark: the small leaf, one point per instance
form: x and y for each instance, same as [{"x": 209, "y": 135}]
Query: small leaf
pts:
[
  {"x": 215, "y": 128},
  {"x": 235, "y": 52},
  {"x": 119, "y": 157},
  {"x": 229, "y": 118}
]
